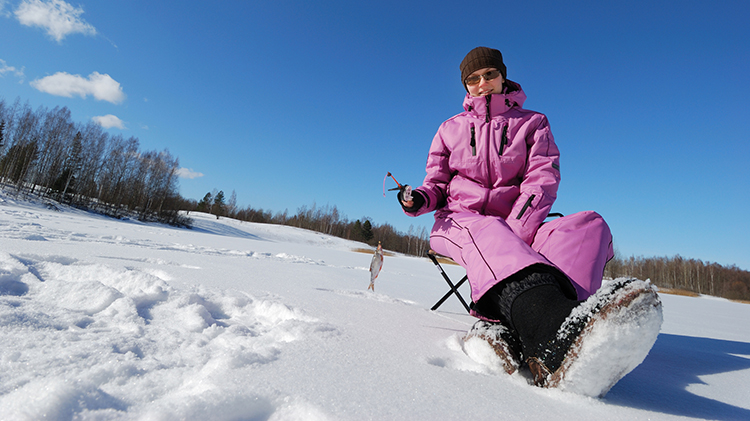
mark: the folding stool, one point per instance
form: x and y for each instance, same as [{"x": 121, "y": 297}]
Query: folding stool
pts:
[{"x": 454, "y": 288}]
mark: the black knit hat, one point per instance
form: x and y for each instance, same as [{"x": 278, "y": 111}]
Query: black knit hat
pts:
[{"x": 480, "y": 58}]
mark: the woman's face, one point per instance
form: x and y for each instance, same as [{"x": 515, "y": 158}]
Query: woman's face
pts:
[{"x": 485, "y": 87}]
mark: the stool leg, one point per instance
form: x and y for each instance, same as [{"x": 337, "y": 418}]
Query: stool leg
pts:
[{"x": 454, "y": 288}]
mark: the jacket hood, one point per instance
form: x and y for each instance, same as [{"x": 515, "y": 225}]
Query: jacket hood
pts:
[{"x": 499, "y": 103}]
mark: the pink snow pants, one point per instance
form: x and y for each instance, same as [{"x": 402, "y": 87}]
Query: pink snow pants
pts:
[{"x": 579, "y": 245}]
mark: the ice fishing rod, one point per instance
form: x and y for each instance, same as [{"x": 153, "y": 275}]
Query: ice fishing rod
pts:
[{"x": 400, "y": 187}]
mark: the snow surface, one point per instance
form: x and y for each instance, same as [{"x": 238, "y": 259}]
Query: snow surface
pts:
[{"x": 109, "y": 319}]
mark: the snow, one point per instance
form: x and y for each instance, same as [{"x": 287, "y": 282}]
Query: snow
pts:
[{"x": 104, "y": 319}]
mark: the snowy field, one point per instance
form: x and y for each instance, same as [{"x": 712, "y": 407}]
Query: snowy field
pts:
[{"x": 103, "y": 319}]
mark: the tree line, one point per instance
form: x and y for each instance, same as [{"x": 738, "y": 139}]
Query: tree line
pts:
[
  {"x": 45, "y": 152},
  {"x": 326, "y": 219},
  {"x": 686, "y": 274}
]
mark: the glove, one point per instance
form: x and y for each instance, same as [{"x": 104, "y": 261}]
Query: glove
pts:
[{"x": 408, "y": 195}]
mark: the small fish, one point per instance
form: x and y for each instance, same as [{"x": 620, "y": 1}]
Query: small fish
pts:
[{"x": 375, "y": 265}]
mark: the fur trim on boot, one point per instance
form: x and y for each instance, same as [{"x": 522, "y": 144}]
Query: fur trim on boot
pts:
[
  {"x": 602, "y": 340},
  {"x": 493, "y": 344}
]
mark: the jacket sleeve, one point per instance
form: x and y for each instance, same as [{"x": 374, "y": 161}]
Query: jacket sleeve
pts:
[
  {"x": 434, "y": 189},
  {"x": 540, "y": 182}
]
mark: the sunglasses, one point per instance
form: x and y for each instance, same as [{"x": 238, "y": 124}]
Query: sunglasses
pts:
[{"x": 475, "y": 79}]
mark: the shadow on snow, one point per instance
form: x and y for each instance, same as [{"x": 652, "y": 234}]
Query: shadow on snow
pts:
[
  {"x": 211, "y": 227},
  {"x": 676, "y": 362}
]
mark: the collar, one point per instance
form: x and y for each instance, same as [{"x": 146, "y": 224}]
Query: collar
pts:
[{"x": 499, "y": 103}]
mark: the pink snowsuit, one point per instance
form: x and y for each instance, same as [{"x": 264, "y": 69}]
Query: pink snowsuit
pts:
[{"x": 492, "y": 176}]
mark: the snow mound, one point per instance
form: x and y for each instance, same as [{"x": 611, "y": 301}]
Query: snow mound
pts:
[{"x": 115, "y": 329}]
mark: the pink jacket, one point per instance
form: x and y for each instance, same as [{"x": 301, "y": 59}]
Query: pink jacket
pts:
[{"x": 495, "y": 158}]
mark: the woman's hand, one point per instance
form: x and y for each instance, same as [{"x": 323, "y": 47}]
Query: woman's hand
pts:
[
  {"x": 410, "y": 202},
  {"x": 406, "y": 198}
]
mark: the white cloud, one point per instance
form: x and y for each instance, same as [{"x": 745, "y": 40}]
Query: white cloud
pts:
[
  {"x": 101, "y": 87},
  {"x": 188, "y": 173},
  {"x": 57, "y": 17},
  {"x": 4, "y": 68},
  {"x": 108, "y": 121}
]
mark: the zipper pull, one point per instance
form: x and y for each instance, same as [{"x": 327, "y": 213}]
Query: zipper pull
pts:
[
  {"x": 473, "y": 142},
  {"x": 526, "y": 206},
  {"x": 504, "y": 140}
]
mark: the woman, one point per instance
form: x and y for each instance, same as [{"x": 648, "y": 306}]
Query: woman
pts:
[{"x": 492, "y": 176}]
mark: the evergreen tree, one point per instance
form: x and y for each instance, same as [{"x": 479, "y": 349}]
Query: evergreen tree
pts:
[
  {"x": 357, "y": 234},
  {"x": 219, "y": 204},
  {"x": 367, "y": 230},
  {"x": 205, "y": 204}
]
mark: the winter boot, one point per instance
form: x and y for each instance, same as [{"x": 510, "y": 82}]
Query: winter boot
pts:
[
  {"x": 604, "y": 338},
  {"x": 537, "y": 308},
  {"x": 493, "y": 344}
]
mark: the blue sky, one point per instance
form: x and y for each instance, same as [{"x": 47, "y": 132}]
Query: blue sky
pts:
[{"x": 292, "y": 103}]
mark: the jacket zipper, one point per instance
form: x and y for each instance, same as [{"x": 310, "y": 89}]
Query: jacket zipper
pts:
[
  {"x": 473, "y": 142},
  {"x": 504, "y": 140},
  {"x": 489, "y": 170},
  {"x": 487, "y": 117},
  {"x": 526, "y": 206}
]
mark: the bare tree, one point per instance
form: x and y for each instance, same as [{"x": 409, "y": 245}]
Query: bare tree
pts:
[
  {"x": 54, "y": 138},
  {"x": 73, "y": 163},
  {"x": 232, "y": 205},
  {"x": 93, "y": 144}
]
